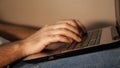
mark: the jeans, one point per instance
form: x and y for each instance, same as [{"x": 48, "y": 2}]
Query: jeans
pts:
[{"x": 102, "y": 59}]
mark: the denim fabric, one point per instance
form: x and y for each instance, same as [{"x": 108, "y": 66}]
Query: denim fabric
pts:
[{"x": 102, "y": 59}]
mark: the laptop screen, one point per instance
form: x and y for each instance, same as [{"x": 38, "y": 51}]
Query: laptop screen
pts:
[{"x": 117, "y": 7}]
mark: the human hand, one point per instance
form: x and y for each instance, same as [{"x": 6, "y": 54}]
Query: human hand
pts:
[{"x": 64, "y": 31}]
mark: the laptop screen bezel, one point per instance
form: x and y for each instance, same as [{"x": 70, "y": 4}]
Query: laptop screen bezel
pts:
[{"x": 117, "y": 12}]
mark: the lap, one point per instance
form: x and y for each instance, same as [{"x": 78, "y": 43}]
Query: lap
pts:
[{"x": 102, "y": 59}]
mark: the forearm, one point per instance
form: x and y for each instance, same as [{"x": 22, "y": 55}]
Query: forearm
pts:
[
  {"x": 17, "y": 30},
  {"x": 10, "y": 52}
]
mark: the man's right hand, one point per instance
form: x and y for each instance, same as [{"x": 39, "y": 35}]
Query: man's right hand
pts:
[{"x": 64, "y": 31}]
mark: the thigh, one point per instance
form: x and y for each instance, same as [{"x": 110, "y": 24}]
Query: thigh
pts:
[{"x": 102, "y": 59}]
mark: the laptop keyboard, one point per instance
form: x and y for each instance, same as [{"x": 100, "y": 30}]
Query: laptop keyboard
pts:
[{"x": 93, "y": 38}]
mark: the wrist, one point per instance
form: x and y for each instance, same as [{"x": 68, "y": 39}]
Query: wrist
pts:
[
  {"x": 26, "y": 47},
  {"x": 22, "y": 47}
]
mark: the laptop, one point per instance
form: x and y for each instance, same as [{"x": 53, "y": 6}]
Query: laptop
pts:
[{"x": 95, "y": 40}]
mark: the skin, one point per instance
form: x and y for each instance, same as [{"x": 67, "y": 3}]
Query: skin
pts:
[{"x": 35, "y": 41}]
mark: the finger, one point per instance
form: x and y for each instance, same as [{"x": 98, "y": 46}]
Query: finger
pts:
[
  {"x": 65, "y": 26},
  {"x": 81, "y": 26},
  {"x": 66, "y": 33},
  {"x": 71, "y": 22},
  {"x": 57, "y": 38},
  {"x": 75, "y": 23}
]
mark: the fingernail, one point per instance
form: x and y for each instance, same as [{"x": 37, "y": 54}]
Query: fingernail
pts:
[{"x": 79, "y": 39}]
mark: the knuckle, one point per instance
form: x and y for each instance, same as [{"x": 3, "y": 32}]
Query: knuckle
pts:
[
  {"x": 58, "y": 37},
  {"x": 62, "y": 30},
  {"x": 65, "y": 24}
]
